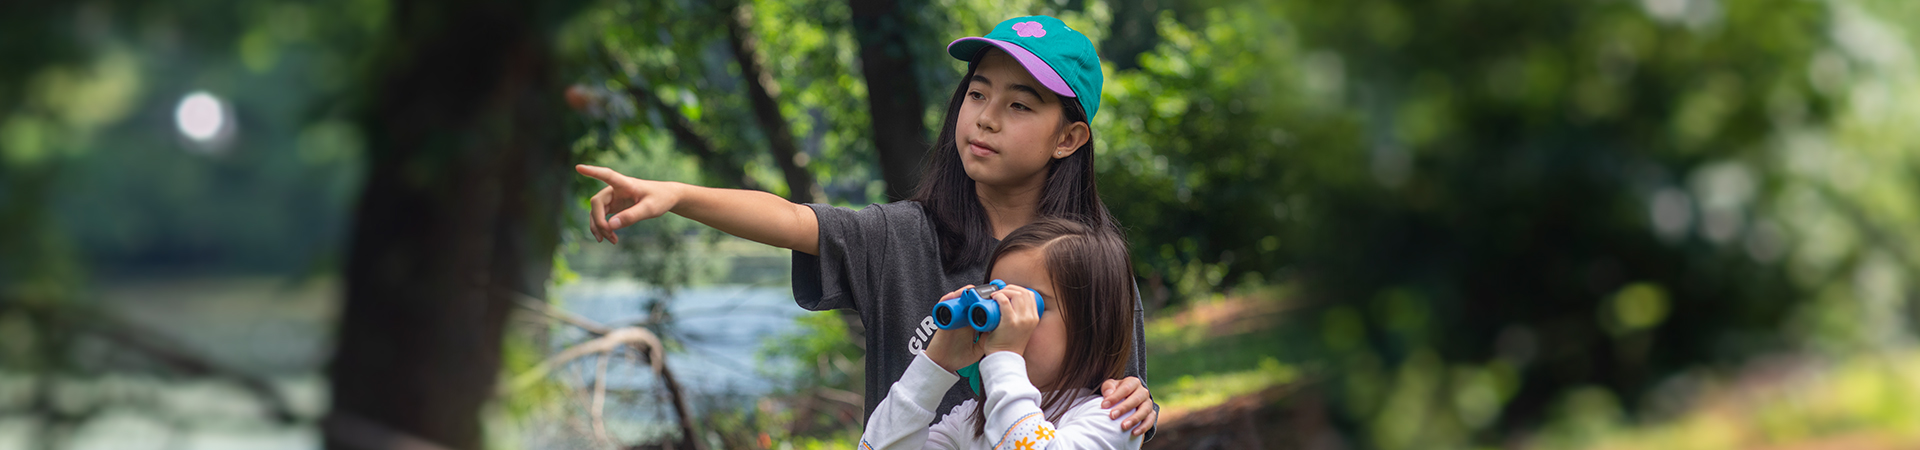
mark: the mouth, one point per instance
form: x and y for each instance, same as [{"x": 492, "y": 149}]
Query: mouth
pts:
[{"x": 980, "y": 148}]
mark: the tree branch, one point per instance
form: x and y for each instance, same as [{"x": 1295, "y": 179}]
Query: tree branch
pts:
[
  {"x": 848, "y": 398},
  {"x": 761, "y": 90},
  {"x": 537, "y": 305},
  {"x": 600, "y": 401},
  {"x": 716, "y": 163},
  {"x": 640, "y": 339}
]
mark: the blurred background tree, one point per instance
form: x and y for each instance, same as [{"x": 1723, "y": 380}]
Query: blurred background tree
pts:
[
  {"x": 456, "y": 221},
  {"x": 120, "y": 171}
]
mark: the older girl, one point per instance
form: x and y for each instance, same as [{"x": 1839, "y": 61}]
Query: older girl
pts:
[{"x": 1015, "y": 147}]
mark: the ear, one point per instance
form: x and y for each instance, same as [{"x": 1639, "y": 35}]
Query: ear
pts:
[{"x": 1070, "y": 139}]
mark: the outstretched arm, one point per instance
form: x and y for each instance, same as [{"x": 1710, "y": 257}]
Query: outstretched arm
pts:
[{"x": 755, "y": 215}]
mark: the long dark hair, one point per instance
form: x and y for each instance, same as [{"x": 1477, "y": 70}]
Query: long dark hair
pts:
[
  {"x": 1093, "y": 294},
  {"x": 947, "y": 194}
]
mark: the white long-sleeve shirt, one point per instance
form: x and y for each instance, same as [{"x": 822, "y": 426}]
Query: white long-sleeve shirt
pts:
[{"x": 1014, "y": 418}]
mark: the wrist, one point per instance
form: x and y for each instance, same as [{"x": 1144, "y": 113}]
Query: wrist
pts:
[
  {"x": 1011, "y": 344},
  {"x": 676, "y": 194},
  {"x": 1015, "y": 352},
  {"x": 942, "y": 360},
  {"x": 952, "y": 367}
]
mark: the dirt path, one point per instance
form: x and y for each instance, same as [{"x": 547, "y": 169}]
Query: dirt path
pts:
[{"x": 1280, "y": 417}]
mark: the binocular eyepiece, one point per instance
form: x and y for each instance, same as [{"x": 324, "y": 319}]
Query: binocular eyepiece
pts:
[{"x": 977, "y": 307}]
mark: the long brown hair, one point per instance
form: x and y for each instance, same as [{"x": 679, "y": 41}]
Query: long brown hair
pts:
[
  {"x": 1093, "y": 294},
  {"x": 947, "y": 194}
]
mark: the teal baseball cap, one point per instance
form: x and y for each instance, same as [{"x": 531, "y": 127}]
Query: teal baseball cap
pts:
[{"x": 1061, "y": 58}]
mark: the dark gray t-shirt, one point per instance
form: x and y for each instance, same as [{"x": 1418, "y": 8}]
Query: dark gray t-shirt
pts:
[{"x": 884, "y": 261}]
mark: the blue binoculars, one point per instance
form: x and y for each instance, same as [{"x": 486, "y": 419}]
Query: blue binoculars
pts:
[{"x": 977, "y": 307}]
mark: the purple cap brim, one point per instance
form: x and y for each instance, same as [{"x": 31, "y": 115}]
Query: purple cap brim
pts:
[{"x": 1036, "y": 66}]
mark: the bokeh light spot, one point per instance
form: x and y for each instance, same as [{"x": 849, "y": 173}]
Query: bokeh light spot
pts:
[{"x": 200, "y": 116}]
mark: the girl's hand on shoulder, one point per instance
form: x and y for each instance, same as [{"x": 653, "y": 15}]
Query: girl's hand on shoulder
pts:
[
  {"x": 1127, "y": 396},
  {"x": 1018, "y": 317},
  {"x": 630, "y": 200},
  {"x": 955, "y": 348}
]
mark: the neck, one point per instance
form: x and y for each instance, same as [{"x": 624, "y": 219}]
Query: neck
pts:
[{"x": 1010, "y": 207}]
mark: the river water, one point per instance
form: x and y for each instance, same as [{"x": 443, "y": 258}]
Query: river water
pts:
[
  {"x": 720, "y": 331},
  {"x": 281, "y": 330}
]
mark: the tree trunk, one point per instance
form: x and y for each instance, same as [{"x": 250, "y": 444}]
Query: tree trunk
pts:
[
  {"x": 1133, "y": 32},
  {"x": 461, "y": 204},
  {"x": 893, "y": 92},
  {"x": 761, "y": 90}
]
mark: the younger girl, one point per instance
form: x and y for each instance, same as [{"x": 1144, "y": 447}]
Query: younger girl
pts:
[
  {"x": 1082, "y": 274},
  {"x": 1015, "y": 147}
]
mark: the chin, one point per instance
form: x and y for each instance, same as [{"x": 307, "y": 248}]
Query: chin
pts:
[{"x": 976, "y": 170}]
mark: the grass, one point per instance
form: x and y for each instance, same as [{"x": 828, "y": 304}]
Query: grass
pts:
[
  {"x": 1863, "y": 402},
  {"x": 1192, "y": 392},
  {"x": 1213, "y": 350}
]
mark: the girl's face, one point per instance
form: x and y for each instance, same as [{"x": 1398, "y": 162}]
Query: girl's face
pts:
[
  {"x": 1009, "y": 125},
  {"x": 1047, "y": 346}
]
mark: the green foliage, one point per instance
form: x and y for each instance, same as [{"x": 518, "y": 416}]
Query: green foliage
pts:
[
  {"x": 822, "y": 341},
  {"x": 664, "y": 252},
  {"x": 1859, "y": 402},
  {"x": 1486, "y": 208},
  {"x": 94, "y": 178},
  {"x": 1574, "y": 199},
  {"x": 680, "y": 52},
  {"x": 828, "y": 358},
  {"x": 95, "y": 118},
  {"x": 1214, "y": 141}
]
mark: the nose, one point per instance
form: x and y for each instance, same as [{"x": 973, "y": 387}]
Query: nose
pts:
[{"x": 986, "y": 120}]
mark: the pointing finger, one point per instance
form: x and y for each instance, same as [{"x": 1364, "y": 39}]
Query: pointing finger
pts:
[{"x": 603, "y": 174}]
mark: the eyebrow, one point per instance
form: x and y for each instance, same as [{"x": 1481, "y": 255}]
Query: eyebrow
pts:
[{"x": 1015, "y": 86}]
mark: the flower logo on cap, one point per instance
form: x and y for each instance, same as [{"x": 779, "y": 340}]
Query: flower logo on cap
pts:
[{"x": 1029, "y": 29}]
